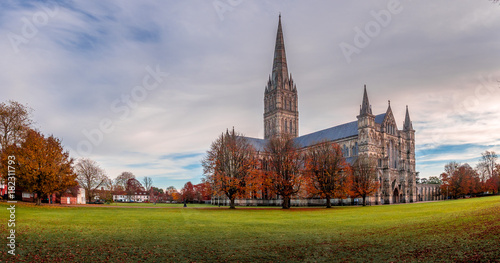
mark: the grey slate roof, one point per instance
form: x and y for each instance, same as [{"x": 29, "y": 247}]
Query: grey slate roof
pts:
[
  {"x": 379, "y": 118},
  {"x": 351, "y": 159},
  {"x": 258, "y": 144},
  {"x": 331, "y": 134}
]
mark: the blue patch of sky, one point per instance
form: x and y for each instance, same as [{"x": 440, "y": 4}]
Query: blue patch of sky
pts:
[
  {"x": 145, "y": 35},
  {"x": 192, "y": 166},
  {"x": 90, "y": 17},
  {"x": 450, "y": 149},
  {"x": 6, "y": 5},
  {"x": 10, "y": 6},
  {"x": 79, "y": 41},
  {"x": 179, "y": 156},
  {"x": 141, "y": 165}
]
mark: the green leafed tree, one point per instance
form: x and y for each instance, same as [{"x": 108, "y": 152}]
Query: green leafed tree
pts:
[{"x": 433, "y": 180}]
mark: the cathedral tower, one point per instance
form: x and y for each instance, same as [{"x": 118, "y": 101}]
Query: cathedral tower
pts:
[
  {"x": 281, "y": 114},
  {"x": 410, "y": 141},
  {"x": 366, "y": 127}
]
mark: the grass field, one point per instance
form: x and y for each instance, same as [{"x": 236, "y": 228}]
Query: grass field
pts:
[{"x": 450, "y": 231}]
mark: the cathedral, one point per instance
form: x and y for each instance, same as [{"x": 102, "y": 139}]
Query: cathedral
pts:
[{"x": 376, "y": 136}]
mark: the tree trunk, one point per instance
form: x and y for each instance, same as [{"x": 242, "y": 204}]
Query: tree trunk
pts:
[
  {"x": 286, "y": 202},
  {"x": 364, "y": 200},
  {"x": 232, "y": 206},
  {"x": 38, "y": 199},
  {"x": 328, "y": 202}
]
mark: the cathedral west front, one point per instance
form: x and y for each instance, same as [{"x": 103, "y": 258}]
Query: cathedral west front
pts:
[{"x": 376, "y": 136}]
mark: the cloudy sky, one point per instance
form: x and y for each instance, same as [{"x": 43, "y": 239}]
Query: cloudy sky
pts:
[{"x": 146, "y": 86}]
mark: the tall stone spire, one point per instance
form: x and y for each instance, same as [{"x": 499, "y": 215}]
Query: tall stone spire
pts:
[
  {"x": 407, "y": 126},
  {"x": 365, "y": 106},
  {"x": 280, "y": 69},
  {"x": 281, "y": 112}
]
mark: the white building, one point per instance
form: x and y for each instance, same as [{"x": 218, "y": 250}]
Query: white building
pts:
[{"x": 139, "y": 197}]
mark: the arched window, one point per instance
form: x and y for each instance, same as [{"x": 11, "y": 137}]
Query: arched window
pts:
[
  {"x": 291, "y": 127},
  {"x": 394, "y": 156},
  {"x": 389, "y": 153},
  {"x": 346, "y": 151}
]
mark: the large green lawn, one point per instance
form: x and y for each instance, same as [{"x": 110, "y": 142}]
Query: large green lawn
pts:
[{"x": 463, "y": 230}]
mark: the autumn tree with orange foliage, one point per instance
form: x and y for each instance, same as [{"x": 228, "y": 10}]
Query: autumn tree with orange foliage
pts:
[
  {"x": 283, "y": 167},
  {"x": 327, "y": 172},
  {"x": 15, "y": 122},
  {"x": 363, "y": 173},
  {"x": 203, "y": 191},
  {"x": 171, "y": 194},
  {"x": 460, "y": 180},
  {"x": 42, "y": 166},
  {"x": 188, "y": 192},
  {"x": 230, "y": 165}
]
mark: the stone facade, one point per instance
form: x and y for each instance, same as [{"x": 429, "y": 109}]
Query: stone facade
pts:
[
  {"x": 429, "y": 192},
  {"x": 376, "y": 136}
]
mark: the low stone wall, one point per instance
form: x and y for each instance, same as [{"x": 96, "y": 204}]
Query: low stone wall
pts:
[{"x": 293, "y": 202}]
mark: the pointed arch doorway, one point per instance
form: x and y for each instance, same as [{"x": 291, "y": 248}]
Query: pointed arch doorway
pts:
[{"x": 395, "y": 196}]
